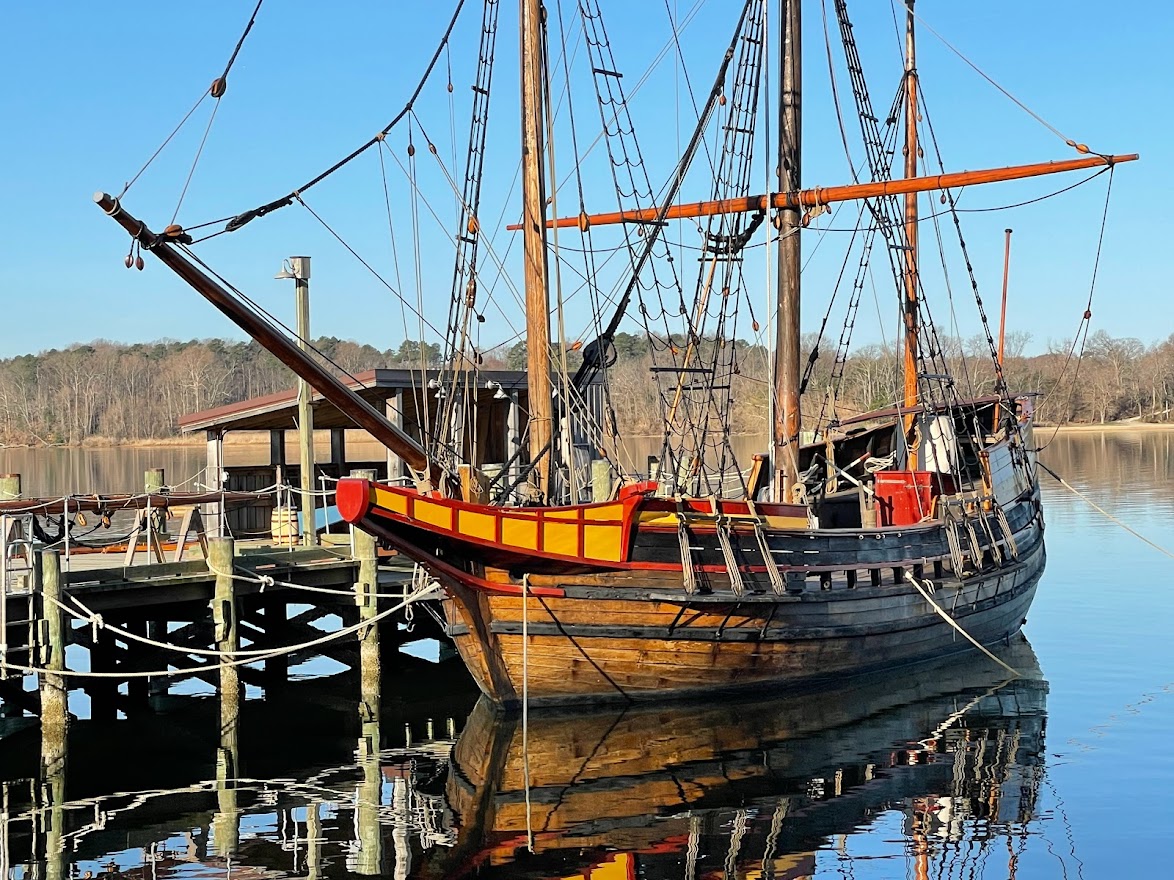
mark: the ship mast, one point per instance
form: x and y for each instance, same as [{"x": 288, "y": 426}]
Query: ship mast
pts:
[
  {"x": 534, "y": 241},
  {"x": 786, "y": 365},
  {"x": 911, "y": 278}
]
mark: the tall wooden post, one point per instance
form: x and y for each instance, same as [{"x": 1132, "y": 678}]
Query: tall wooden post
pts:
[
  {"x": 366, "y": 590},
  {"x": 214, "y": 474},
  {"x": 534, "y": 240},
  {"x": 600, "y": 480},
  {"x": 54, "y": 693},
  {"x": 300, "y": 269},
  {"x": 226, "y": 823},
  {"x": 221, "y": 557},
  {"x": 394, "y": 409},
  {"x": 788, "y": 419},
  {"x": 911, "y": 276},
  {"x": 153, "y": 480}
]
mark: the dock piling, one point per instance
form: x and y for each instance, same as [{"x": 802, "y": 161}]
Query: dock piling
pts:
[
  {"x": 221, "y": 558},
  {"x": 600, "y": 480},
  {"x": 366, "y": 590},
  {"x": 54, "y": 694}
]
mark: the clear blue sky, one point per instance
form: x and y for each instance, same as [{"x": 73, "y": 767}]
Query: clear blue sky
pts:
[{"x": 91, "y": 89}]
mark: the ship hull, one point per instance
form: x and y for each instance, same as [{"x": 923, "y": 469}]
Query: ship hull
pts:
[
  {"x": 558, "y": 649},
  {"x": 720, "y": 616}
]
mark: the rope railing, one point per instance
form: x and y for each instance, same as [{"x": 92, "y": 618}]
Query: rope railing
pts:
[{"x": 227, "y": 658}]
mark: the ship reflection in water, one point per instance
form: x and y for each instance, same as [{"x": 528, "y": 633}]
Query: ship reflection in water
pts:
[{"x": 933, "y": 768}]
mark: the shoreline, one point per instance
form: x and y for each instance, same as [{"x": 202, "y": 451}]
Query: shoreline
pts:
[{"x": 256, "y": 438}]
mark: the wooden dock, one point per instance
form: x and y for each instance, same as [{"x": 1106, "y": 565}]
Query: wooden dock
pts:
[{"x": 243, "y": 616}]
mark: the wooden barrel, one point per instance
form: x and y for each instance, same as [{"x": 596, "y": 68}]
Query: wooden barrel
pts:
[{"x": 284, "y": 526}]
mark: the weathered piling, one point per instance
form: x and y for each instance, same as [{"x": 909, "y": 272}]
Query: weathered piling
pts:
[
  {"x": 54, "y": 692},
  {"x": 153, "y": 480},
  {"x": 9, "y": 487},
  {"x": 366, "y": 597},
  {"x": 54, "y": 711},
  {"x": 221, "y": 558},
  {"x": 600, "y": 480}
]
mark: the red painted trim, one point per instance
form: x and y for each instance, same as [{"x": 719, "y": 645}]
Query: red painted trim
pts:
[
  {"x": 444, "y": 570},
  {"x": 352, "y": 496}
]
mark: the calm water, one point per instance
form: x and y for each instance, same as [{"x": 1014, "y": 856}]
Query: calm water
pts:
[{"x": 943, "y": 771}]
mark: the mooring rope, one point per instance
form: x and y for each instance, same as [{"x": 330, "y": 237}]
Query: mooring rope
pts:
[
  {"x": 526, "y": 704},
  {"x": 249, "y": 655},
  {"x": 927, "y": 595},
  {"x": 1102, "y": 510}
]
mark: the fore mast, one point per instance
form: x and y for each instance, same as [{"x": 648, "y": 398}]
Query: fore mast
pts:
[
  {"x": 534, "y": 241},
  {"x": 790, "y": 221}
]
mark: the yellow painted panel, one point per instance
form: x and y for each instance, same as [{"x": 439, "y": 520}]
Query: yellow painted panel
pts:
[
  {"x": 658, "y": 518},
  {"x": 392, "y": 501},
  {"x": 602, "y": 542},
  {"x": 613, "y": 512},
  {"x": 477, "y": 525},
  {"x": 786, "y": 522},
  {"x": 434, "y": 514},
  {"x": 518, "y": 532},
  {"x": 561, "y": 538},
  {"x": 570, "y": 513}
]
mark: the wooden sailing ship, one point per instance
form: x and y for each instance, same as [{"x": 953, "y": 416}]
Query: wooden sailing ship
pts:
[{"x": 894, "y": 536}]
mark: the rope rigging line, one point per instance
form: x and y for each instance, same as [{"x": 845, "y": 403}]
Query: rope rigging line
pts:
[
  {"x": 216, "y": 91},
  {"x": 1080, "y": 148},
  {"x": 241, "y": 219},
  {"x": 1083, "y": 327},
  {"x": 1101, "y": 510}
]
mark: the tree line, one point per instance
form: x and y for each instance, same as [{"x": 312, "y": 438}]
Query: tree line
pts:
[{"x": 138, "y": 392}]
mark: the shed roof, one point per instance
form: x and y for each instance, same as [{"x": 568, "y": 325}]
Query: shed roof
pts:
[{"x": 279, "y": 410}]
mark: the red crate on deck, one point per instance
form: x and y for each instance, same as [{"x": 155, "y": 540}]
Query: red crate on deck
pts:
[{"x": 906, "y": 497}]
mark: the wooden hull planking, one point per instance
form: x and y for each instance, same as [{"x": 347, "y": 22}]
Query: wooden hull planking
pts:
[{"x": 636, "y": 634}]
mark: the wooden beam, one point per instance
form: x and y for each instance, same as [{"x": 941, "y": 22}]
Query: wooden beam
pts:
[{"x": 810, "y": 198}]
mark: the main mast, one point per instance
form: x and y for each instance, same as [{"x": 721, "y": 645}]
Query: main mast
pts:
[
  {"x": 911, "y": 277},
  {"x": 786, "y": 372},
  {"x": 534, "y": 241}
]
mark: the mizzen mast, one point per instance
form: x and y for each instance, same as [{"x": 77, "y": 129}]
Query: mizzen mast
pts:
[
  {"x": 534, "y": 241},
  {"x": 790, "y": 219},
  {"x": 910, "y": 312}
]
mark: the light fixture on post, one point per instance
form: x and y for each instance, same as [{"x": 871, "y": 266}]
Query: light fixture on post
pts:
[{"x": 298, "y": 269}]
